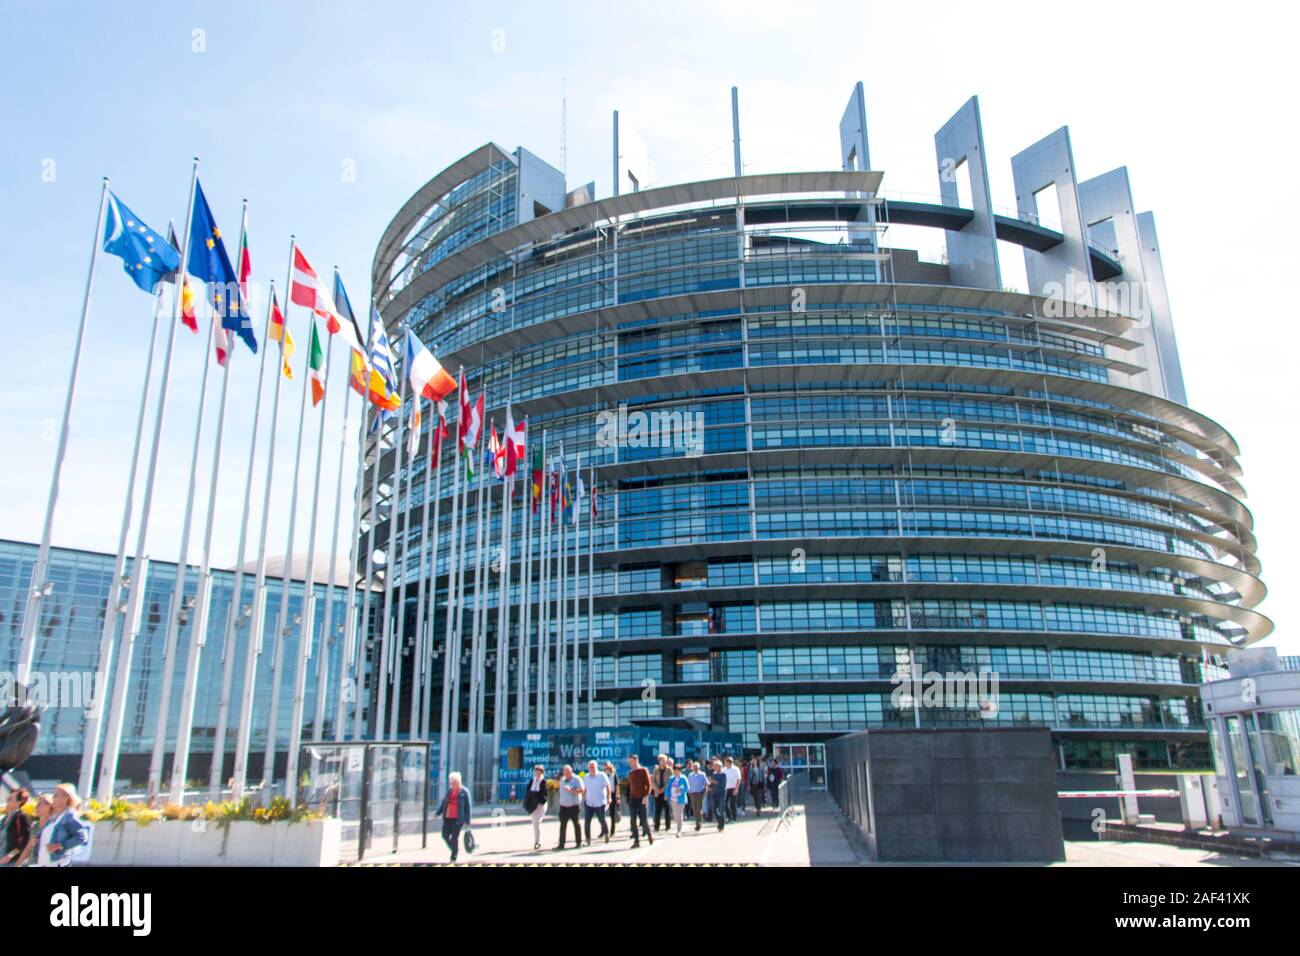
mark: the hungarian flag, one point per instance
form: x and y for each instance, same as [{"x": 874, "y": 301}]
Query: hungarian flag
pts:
[
  {"x": 439, "y": 435},
  {"x": 428, "y": 378},
  {"x": 316, "y": 366},
  {"x": 281, "y": 334}
]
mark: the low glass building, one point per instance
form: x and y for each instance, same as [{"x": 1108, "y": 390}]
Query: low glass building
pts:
[
  {"x": 67, "y": 652},
  {"x": 903, "y": 468}
]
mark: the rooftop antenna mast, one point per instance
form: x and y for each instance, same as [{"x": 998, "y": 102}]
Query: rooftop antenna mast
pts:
[{"x": 564, "y": 126}]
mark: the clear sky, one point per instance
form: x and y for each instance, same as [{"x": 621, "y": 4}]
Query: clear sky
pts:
[{"x": 283, "y": 100}]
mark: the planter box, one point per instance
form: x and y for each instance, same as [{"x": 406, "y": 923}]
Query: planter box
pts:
[{"x": 180, "y": 843}]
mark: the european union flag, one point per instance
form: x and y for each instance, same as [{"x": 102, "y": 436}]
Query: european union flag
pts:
[
  {"x": 146, "y": 256},
  {"x": 210, "y": 262}
]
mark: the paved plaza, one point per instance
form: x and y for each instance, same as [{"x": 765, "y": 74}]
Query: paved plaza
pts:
[{"x": 813, "y": 834}]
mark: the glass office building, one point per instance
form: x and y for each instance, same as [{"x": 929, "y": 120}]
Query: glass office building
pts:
[
  {"x": 67, "y": 651},
  {"x": 906, "y": 468}
]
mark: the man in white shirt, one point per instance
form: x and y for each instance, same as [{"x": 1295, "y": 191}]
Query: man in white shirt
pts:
[
  {"x": 733, "y": 787},
  {"x": 596, "y": 799}
]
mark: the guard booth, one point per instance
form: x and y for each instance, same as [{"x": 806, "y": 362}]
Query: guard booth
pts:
[
  {"x": 379, "y": 790},
  {"x": 1253, "y": 719}
]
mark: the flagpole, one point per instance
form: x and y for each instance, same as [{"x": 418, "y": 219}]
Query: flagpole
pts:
[
  {"x": 462, "y": 579},
  {"x": 561, "y": 605},
  {"x": 453, "y": 576},
  {"x": 237, "y": 613},
  {"x": 257, "y": 622},
  {"x": 399, "y": 645},
  {"x": 390, "y": 565},
  {"x": 525, "y": 655},
  {"x": 40, "y": 570},
  {"x": 199, "y": 632},
  {"x": 350, "y": 645},
  {"x": 140, "y": 567},
  {"x": 307, "y": 630},
  {"x": 179, "y": 610},
  {"x": 323, "y": 659},
  {"x": 577, "y": 588},
  {"x": 282, "y": 628},
  {"x": 368, "y": 631},
  {"x": 472, "y": 691},
  {"x": 417, "y": 653},
  {"x": 435, "y": 464},
  {"x": 591, "y": 598},
  {"x": 108, "y": 634},
  {"x": 544, "y": 593},
  {"x": 500, "y": 702}
]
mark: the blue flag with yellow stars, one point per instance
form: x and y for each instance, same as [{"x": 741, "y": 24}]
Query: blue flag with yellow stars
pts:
[
  {"x": 146, "y": 256},
  {"x": 210, "y": 262}
]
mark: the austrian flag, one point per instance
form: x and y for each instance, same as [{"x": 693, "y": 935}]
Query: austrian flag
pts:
[{"x": 307, "y": 290}]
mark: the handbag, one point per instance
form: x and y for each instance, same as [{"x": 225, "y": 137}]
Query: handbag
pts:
[{"x": 470, "y": 843}]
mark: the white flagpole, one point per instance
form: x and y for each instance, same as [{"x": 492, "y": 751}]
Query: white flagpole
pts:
[
  {"x": 525, "y": 593},
  {"x": 427, "y": 611},
  {"x": 544, "y": 593},
  {"x": 180, "y": 609},
  {"x": 399, "y": 645},
  {"x": 307, "y": 631},
  {"x": 282, "y": 628},
  {"x": 561, "y": 605},
  {"x": 390, "y": 567},
  {"x": 139, "y": 567},
  {"x": 367, "y": 629},
  {"x": 577, "y": 582},
  {"x": 449, "y": 665},
  {"x": 417, "y": 638},
  {"x": 474, "y": 677},
  {"x": 348, "y": 670},
  {"x": 257, "y": 623},
  {"x": 39, "y": 583},
  {"x": 591, "y": 598},
  {"x": 327, "y": 626},
  {"x": 203, "y": 600},
  {"x": 112, "y": 614},
  {"x": 501, "y": 686},
  {"x": 237, "y": 614}
]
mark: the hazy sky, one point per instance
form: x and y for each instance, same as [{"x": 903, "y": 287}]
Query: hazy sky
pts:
[{"x": 282, "y": 101}]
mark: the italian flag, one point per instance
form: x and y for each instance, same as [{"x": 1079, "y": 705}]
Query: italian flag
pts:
[{"x": 316, "y": 366}]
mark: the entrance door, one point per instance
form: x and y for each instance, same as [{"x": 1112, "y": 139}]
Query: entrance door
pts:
[
  {"x": 1240, "y": 768},
  {"x": 807, "y": 761}
]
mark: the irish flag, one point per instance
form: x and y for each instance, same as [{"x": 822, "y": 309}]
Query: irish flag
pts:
[{"x": 316, "y": 366}]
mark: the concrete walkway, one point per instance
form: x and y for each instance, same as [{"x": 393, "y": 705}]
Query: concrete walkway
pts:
[{"x": 810, "y": 836}]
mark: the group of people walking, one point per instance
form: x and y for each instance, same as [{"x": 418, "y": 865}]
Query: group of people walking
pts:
[
  {"x": 49, "y": 836},
  {"x": 713, "y": 791}
]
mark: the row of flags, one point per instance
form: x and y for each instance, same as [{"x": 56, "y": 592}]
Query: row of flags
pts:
[{"x": 152, "y": 261}]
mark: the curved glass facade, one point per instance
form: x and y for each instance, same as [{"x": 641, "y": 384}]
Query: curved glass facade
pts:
[{"x": 891, "y": 479}]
